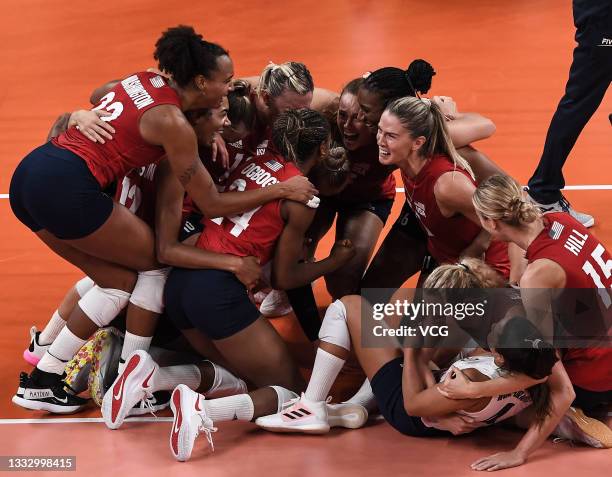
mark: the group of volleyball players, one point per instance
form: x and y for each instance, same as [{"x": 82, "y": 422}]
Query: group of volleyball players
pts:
[{"x": 223, "y": 189}]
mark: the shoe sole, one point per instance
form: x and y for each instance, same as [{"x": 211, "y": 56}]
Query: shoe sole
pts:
[
  {"x": 589, "y": 223},
  {"x": 592, "y": 428},
  {"x": 45, "y": 406},
  {"x": 184, "y": 441},
  {"x": 352, "y": 417},
  {"x": 302, "y": 429},
  {"x": 131, "y": 373},
  {"x": 30, "y": 357}
]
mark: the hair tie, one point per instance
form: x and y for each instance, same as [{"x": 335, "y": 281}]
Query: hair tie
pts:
[
  {"x": 465, "y": 267},
  {"x": 534, "y": 343},
  {"x": 366, "y": 74}
]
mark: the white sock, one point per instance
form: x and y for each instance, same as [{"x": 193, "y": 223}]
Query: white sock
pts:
[
  {"x": 167, "y": 378},
  {"x": 224, "y": 384},
  {"x": 284, "y": 395},
  {"x": 133, "y": 343},
  {"x": 364, "y": 396},
  {"x": 63, "y": 349},
  {"x": 230, "y": 408},
  {"x": 52, "y": 329},
  {"x": 324, "y": 373}
]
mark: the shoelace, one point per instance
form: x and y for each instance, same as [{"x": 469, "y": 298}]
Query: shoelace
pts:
[
  {"x": 208, "y": 429},
  {"x": 147, "y": 402},
  {"x": 564, "y": 203}
]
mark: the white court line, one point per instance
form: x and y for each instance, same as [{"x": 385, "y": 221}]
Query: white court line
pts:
[{"x": 79, "y": 420}]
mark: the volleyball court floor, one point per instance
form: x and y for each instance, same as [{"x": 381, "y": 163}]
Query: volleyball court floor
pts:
[{"x": 507, "y": 61}]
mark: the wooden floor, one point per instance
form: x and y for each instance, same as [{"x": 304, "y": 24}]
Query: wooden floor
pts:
[{"x": 506, "y": 60}]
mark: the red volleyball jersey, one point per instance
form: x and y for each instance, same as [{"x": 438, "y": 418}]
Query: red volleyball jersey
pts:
[
  {"x": 253, "y": 233},
  {"x": 587, "y": 264},
  {"x": 127, "y": 101},
  {"x": 565, "y": 241},
  {"x": 371, "y": 180},
  {"x": 447, "y": 237},
  {"x": 137, "y": 192}
]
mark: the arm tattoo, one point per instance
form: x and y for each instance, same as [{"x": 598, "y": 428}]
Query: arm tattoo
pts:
[{"x": 188, "y": 173}]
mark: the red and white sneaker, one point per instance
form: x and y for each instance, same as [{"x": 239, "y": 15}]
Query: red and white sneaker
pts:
[
  {"x": 347, "y": 415},
  {"x": 35, "y": 351},
  {"x": 189, "y": 420},
  {"x": 301, "y": 415},
  {"x": 130, "y": 387}
]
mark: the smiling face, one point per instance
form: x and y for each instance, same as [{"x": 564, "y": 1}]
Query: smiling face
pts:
[
  {"x": 209, "y": 122},
  {"x": 216, "y": 86},
  {"x": 355, "y": 134},
  {"x": 371, "y": 106},
  {"x": 395, "y": 144}
]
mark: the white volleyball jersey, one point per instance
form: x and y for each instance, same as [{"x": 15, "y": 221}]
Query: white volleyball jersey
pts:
[{"x": 500, "y": 407}]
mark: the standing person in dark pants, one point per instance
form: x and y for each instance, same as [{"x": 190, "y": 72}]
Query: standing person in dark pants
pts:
[{"x": 589, "y": 78}]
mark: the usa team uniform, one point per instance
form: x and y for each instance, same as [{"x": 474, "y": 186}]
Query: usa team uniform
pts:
[
  {"x": 447, "y": 237},
  {"x": 587, "y": 264},
  {"x": 215, "y": 301},
  {"x": 58, "y": 186}
]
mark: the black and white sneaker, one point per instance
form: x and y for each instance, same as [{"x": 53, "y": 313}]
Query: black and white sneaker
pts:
[
  {"x": 43, "y": 391},
  {"x": 158, "y": 401}
]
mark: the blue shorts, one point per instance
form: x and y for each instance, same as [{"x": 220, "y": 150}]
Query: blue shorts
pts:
[
  {"x": 53, "y": 189},
  {"x": 380, "y": 207},
  {"x": 408, "y": 223},
  {"x": 387, "y": 388},
  {"x": 213, "y": 301}
]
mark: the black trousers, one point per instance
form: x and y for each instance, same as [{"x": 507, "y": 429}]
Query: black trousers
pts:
[{"x": 589, "y": 78}]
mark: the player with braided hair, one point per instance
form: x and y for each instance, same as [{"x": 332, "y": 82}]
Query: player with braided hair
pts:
[{"x": 83, "y": 225}]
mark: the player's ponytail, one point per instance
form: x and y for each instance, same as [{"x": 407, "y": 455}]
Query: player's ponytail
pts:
[
  {"x": 524, "y": 351},
  {"x": 182, "y": 53},
  {"x": 241, "y": 109},
  {"x": 292, "y": 76},
  {"x": 468, "y": 273},
  {"x": 423, "y": 118},
  {"x": 391, "y": 83},
  {"x": 298, "y": 133},
  {"x": 500, "y": 197}
]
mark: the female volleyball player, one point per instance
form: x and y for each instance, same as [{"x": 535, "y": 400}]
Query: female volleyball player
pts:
[
  {"x": 83, "y": 225},
  {"x": 561, "y": 254},
  {"x": 379, "y": 89},
  {"x": 224, "y": 312}
]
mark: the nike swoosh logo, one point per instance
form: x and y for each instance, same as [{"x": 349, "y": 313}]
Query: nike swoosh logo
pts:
[
  {"x": 65, "y": 400},
  {"x": 118, "y": 395},
  {"x": 145, "y": 383},
  {"x": 197, "y": 405}
]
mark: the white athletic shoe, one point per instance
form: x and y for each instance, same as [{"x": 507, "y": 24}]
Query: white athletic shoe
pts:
[
  {"x": 130, "y": 387},
  {"x": 189, "y": 420},
  {"x": 301, "y": 415},
  {"x": 347, "y": 415},
  {"x": 577, "y": 427},
  {"x": 563, "y": 205},
  {"x": 35, "y": 351},
  {"x": 276, "y": 303}
]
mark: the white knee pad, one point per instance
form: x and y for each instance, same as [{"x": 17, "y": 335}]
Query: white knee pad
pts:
[
  {"x": 84, "y": 285},
  {"x": 102, "y": 305},
  {"x": 334, "y": 328},
  {"x": 284, "y": 395},
  {"x": 149, "y": 290}
]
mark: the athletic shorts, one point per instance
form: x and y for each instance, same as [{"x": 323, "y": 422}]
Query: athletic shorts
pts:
[
  {"x": 53, "y": 189},
  {"x": 408, "y": 223},
  {"x": 387, "y": 388},
  {"x": 591, "y": 400},
  {"x": 380, "y": 207},
  {"x": 213, "y": 301},
  {"x": 192, "y": 224}
]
